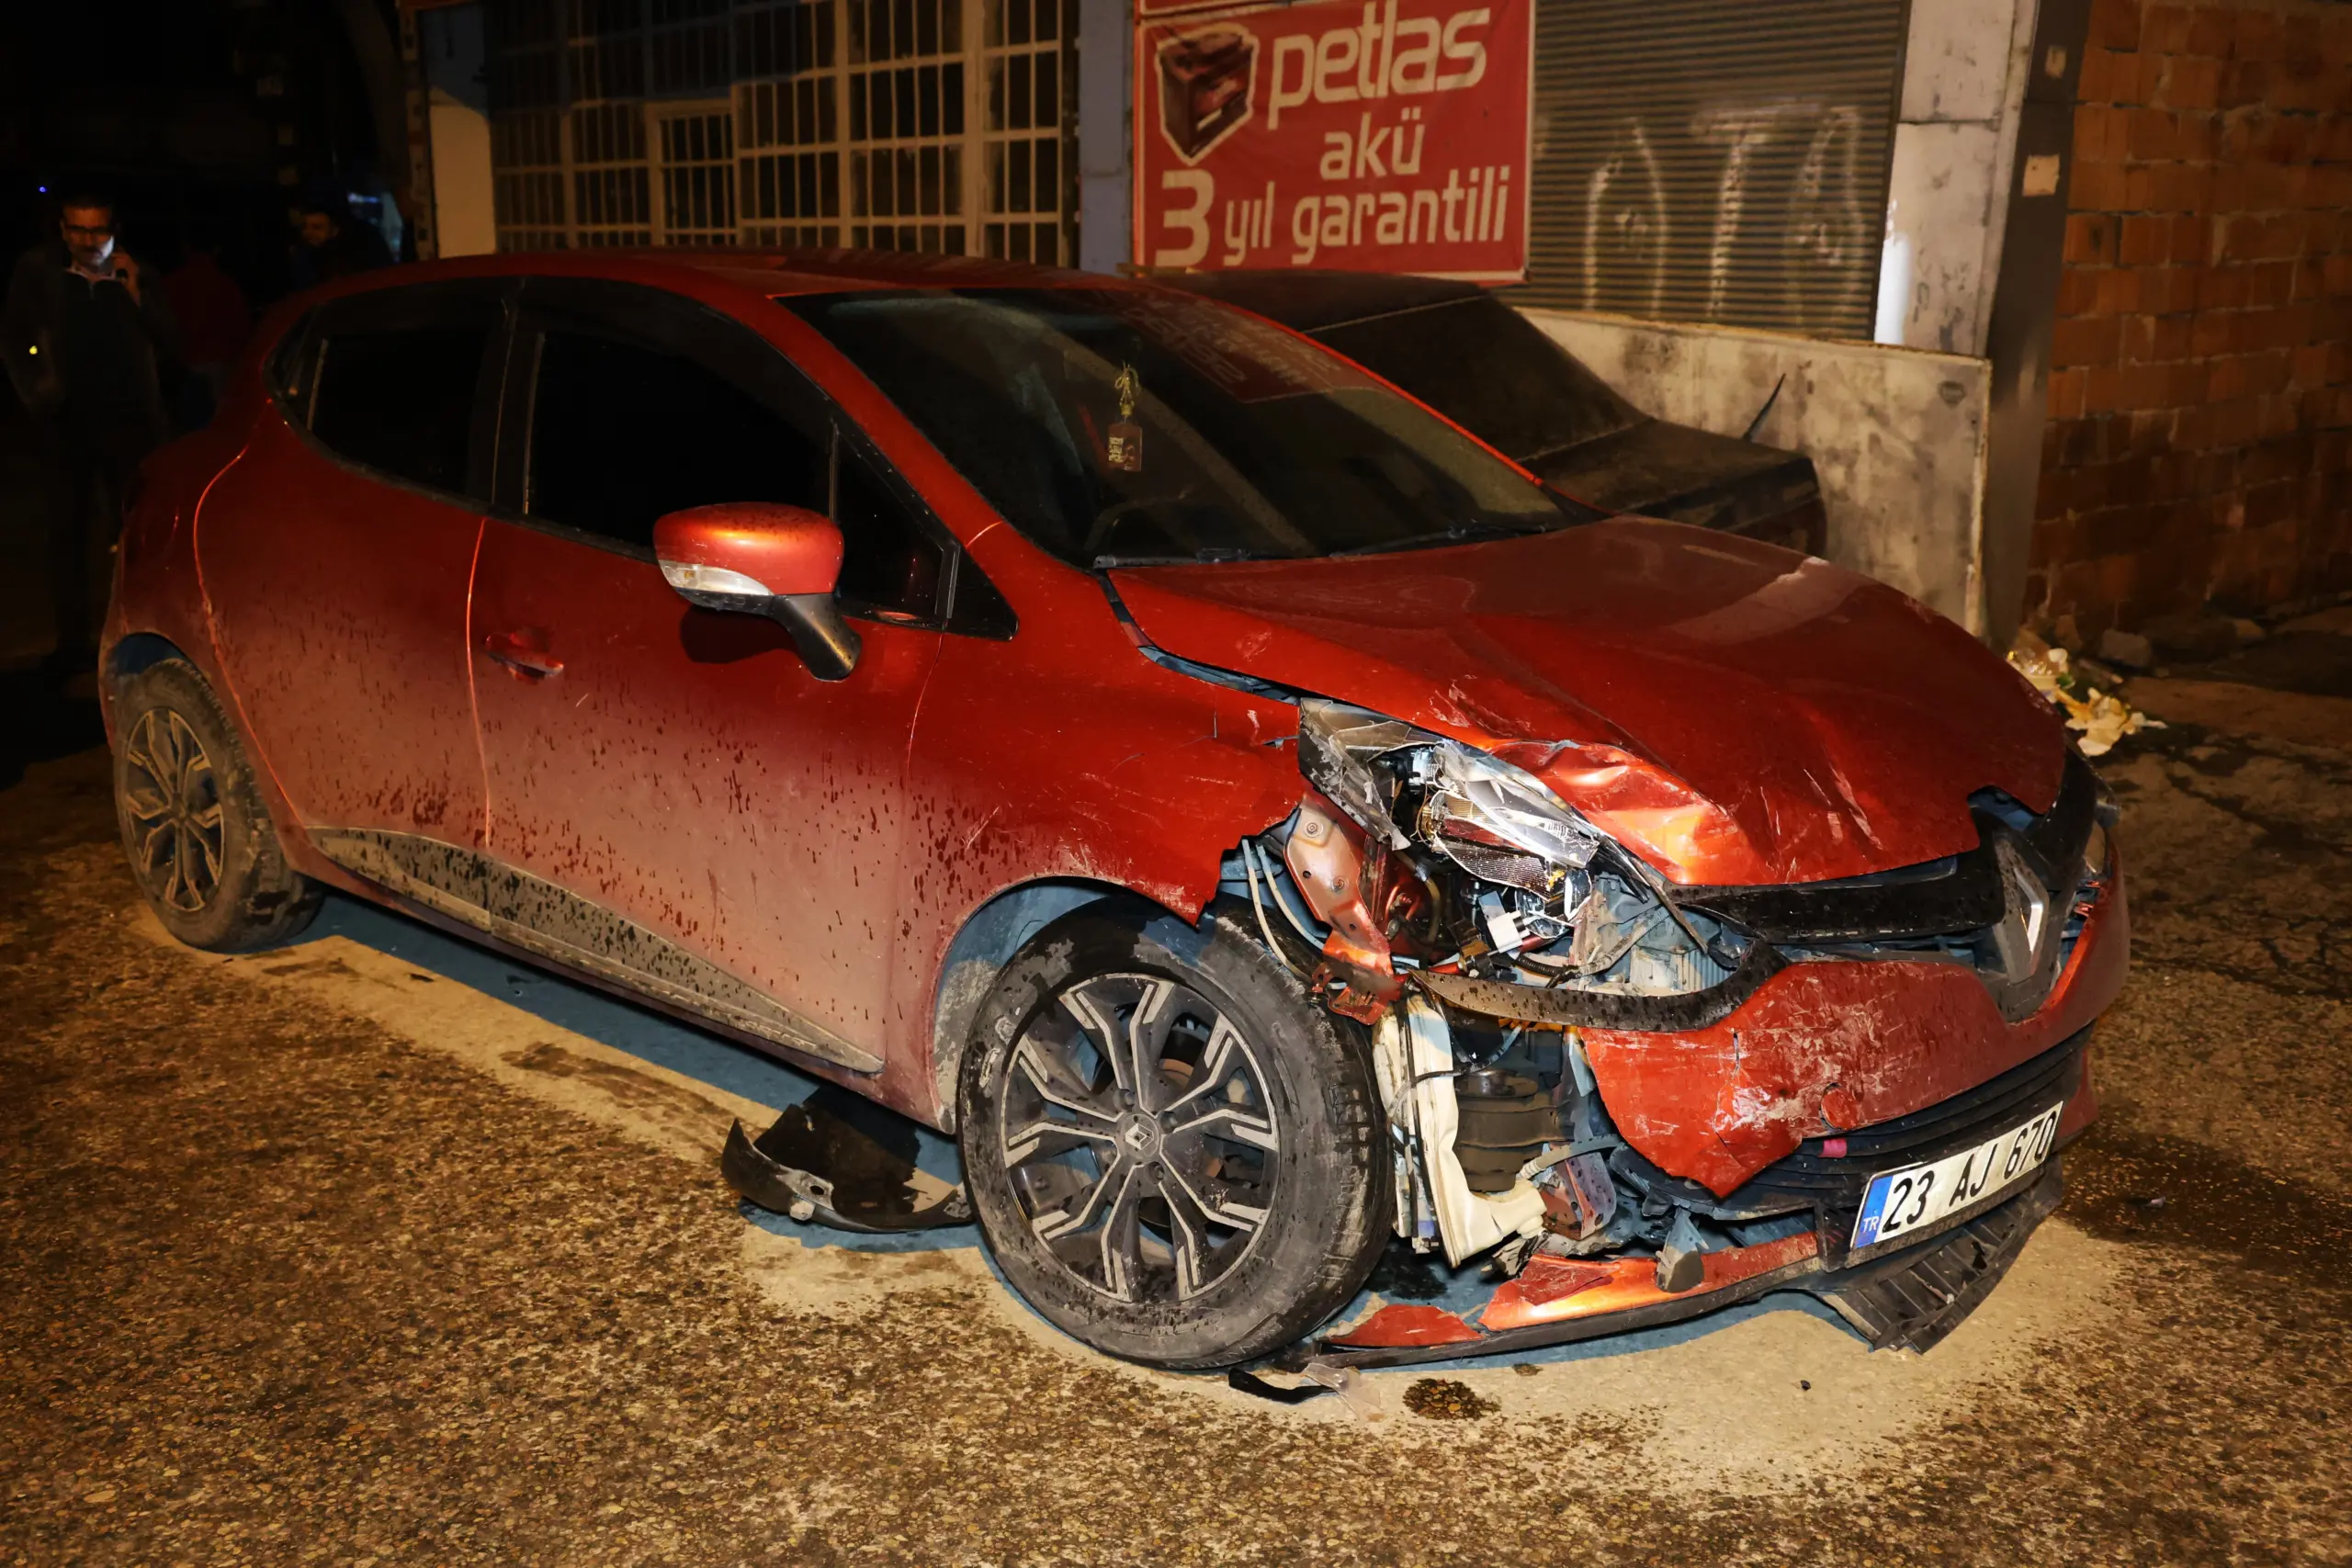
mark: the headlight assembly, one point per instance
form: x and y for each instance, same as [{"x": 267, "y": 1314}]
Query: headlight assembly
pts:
[
  {"x": 1475, "y": 799},
  {"x": 1369, "y": 766}
]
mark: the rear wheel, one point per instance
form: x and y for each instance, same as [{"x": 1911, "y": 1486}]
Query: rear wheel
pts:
[
  {"x": 1170, "y": 1152},
  {"x": 200, "y": 841}
]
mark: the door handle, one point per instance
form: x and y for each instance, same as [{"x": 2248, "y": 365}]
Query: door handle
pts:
[{"x": 512, "y": 649}]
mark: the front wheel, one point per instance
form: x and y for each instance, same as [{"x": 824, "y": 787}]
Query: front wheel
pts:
[{"x": 1170, "y": 1152}]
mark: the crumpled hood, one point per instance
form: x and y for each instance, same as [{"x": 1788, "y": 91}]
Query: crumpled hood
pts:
[{"x": 1734, "y": 712}]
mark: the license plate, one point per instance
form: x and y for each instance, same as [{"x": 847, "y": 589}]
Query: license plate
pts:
[{"x": 1915, "y": 1197}]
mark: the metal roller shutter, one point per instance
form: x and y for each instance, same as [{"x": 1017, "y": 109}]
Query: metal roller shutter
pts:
[{"x": 1714, "y": 160}]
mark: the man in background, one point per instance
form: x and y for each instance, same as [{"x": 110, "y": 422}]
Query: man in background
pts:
[
  {"x": 89, "y": 342},
  {"x": 214, "y": 321},
  {"x": 328, "y": 245}
]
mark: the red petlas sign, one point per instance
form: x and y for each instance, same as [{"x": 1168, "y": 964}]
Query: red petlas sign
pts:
[{"x": 1363, "y": 135}]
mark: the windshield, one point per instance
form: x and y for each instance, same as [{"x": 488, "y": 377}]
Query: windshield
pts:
[
  {"x": 1483, "y": 365},
  {"x": 1125, "y": 425}
]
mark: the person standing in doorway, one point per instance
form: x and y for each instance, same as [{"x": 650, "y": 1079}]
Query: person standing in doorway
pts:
[{"x": 89, "y": 342}]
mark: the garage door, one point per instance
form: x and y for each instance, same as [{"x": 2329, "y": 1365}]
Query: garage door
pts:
[{"x": 1704, "y": 162}]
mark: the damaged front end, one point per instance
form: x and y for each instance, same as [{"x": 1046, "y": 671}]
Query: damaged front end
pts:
[{"x": 1642, "y": 1102}]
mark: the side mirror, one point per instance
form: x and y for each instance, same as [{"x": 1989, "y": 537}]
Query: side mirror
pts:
[{"x": 756, "y": 557}]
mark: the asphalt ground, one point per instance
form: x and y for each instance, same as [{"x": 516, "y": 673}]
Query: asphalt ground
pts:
[{"x": 377, "y": 1249}]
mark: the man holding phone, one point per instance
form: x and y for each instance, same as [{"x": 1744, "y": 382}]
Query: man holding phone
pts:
[{"x": 88, "y": 343}]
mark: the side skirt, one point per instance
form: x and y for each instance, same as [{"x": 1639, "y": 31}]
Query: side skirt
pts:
[{"x": 553, "y": 923}]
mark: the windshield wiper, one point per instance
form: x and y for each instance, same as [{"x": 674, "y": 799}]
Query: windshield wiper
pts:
[
  {"x": 1212, "y": 553},
  {"x": 1461, "y": 533}
]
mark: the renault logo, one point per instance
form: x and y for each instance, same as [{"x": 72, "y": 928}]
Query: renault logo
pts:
[{"x": 2026, "y": 914}]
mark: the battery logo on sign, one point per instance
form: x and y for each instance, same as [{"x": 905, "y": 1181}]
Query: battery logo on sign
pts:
[{"x": 1392, "y": 136}]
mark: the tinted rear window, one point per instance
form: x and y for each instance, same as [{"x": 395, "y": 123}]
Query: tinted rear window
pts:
[
  {"x": 1490, "y": 370},
  {"x": 401, "y": 400}
]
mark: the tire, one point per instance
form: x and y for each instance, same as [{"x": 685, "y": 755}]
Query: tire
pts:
[
  {"x": 1128, "y": 1223},
  {"x": 200, "y": 844}
]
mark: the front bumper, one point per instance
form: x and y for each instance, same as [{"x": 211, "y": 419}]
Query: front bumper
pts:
[
  {"x": 1728, "y": 1123},
  {"x": 1882, "y": 1040},
  {"x": 1907, "y": 1299}
]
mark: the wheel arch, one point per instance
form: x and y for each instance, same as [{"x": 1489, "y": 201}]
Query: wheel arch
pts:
[
  {"x": 140, "y": 651},
  {"x": 126, "y": 655},
  {"x": 987, "y": 942}
]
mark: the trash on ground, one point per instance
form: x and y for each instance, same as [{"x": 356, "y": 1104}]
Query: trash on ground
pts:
[{"x": 2102, "y": 718}]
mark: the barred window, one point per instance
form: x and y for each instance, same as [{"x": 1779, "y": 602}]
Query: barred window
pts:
[{"x": 935, "y": 125}]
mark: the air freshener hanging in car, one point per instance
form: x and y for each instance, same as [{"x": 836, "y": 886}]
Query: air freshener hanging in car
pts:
[{"x": 1123, "y": 448}]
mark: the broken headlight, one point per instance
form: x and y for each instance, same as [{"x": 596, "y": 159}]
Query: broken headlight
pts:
[
  {"x": 1401, "y": 784},
  {"x": 1476, "y": 805},
  {"x": 1523, "y": 888}
]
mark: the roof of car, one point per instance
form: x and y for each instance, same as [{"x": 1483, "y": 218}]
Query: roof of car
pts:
[
  {"x": 768, "y": 272},
  {"x": 1314, "y": 301},
  {"x": 788, "y": 271},
  {"x": 1304, "y": 299},
  {"x": 816, "y": 270}
]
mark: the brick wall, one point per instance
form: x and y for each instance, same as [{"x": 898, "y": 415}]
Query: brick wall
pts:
[{"x": 2200, "y": 444}]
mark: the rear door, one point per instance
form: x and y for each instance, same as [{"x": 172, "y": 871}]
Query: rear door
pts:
[
  {"x": 686, "y": 808},
  {"x": 336, "y": 556}
]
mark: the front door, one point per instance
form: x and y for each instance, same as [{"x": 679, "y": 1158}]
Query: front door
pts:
[
  {"x": 686, "y": 808},
  {"x": 336, "y": 553}
]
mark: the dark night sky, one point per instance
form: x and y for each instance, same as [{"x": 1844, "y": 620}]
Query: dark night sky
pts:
[{"x": 190, "y": 111}]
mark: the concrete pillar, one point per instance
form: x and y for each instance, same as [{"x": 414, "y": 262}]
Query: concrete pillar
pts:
[
  {"x": 454, "y": 58},
  {"x": 1963, "y": 84},
  {"x": 1105, "y": 53},
  {"x": 2025, "y": 307},
  {"x": 1975, "y": 221}
]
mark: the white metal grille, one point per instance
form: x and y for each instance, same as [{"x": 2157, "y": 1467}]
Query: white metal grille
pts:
[
  {"x": 697, "y": 176},
  {"x": 907, "y": 87},
  {"x": 1027, "y": 205},
  {"x": 610, "y": 180},
  {"x": 931, "y": 124},
  {"x": 787, "y": 124},
  {"x": 688, "y": 48},
  {"x": 527, "y": 196}
]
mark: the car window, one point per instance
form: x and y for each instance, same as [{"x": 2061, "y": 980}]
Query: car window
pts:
[
  {"x": 400, "y": 398},
  {"x": 1491, "y": 370},
  {"x": 624, "y": 432},
  {"x": 1115, "y": 425},
  {"x": 289, "y": 368},
  {"x": 888, "y": 562}
]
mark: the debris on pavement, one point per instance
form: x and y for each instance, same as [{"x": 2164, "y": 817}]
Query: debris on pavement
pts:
[
  {"x": 1250, "y": 1383},
  {"x": 1445, "y": 1399},
  {"x": 1350, "y": 1386},
  {"x": 841, "y": 1160},
  {"x": 2102, "y": 718}
]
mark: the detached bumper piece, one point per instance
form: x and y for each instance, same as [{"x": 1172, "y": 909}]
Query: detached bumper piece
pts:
[
  {"x": 841, "y": 1161},
  {"x": 1904, "y": 1300}
]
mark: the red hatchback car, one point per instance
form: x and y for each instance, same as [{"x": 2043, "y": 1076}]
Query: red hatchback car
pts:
[{"x": 1254, "y": 818}]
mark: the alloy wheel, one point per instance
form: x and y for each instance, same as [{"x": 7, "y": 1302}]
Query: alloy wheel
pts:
[
  {"x": 1137, "y": 1137},
  {"x": 174, "y": 807}
]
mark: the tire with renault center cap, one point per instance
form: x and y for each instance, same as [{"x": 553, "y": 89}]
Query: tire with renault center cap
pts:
[
  {"x": 199, "y": 841},
  {"x": 1172, "y": 1152}
]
